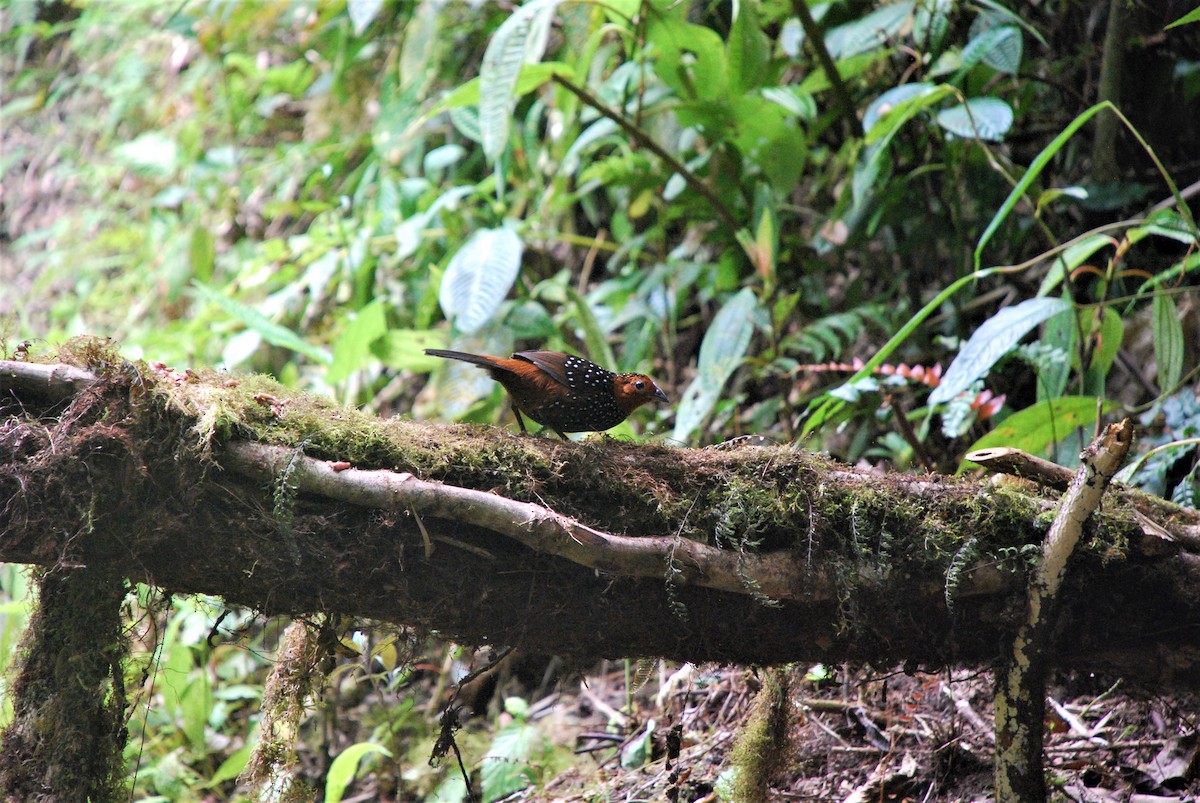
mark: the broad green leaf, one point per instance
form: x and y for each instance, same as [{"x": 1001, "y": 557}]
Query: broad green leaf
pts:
[
  {"x": 443, "y": 157},
  {"x": 408, "y": 233},
  {"x": 231, "y": 767},
  {"x": 999, "y": 47},
  {"x": 691, "y": 58},
  {"x": 1036, "y": 428},
  {"x": 892, "y": 120},
  {"x": 728, "y": 337},
  {"x": 529, "y": 320},
  {"x": 1112, "y": 332},
  {"x": 748, "y": 51},
  {"x": 992, "y": 340},
  {"x": 766, "y": 135},
  {"x": 593, "y": 335},
  {"x": 531, "y": 77},
  {"x": 202, "y": 253},
  {"x": 1060, "y": 333},
  {"x": 931, "y": 22},
  {"x": 520, "y": 39},
  {"x": 721, "y": 352},
  {"x": 594, "y": 133},
  {"x": 997, "y": 10},
  {"x": 876, "y": 159},
  {"x": 763, "y": 247},
  {"x": 1164, "y": 223},
  {"x": 404, "y": 349},
  {"x": 637, "y": 753},
  {"x": 1168, "y": 341},
  {"x": 353, "y": 347},
  {"x": 878, "y": 108},
  {"x": 479, "y": 276},
  {"x": 466, "y": 121},
  {"x": 345, "y": 767},
  {"x": 988, "y": 119},
  {"x": 868, "y": 32},
  {"x": 270, "y": 331},
  {"x": 196, "y": 705},
  {"x": 850, "y": 68},
  {"x": 507, "y": 766}
]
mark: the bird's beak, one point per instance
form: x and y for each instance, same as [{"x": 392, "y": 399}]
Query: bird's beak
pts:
[{"x": 658, "y": 394}]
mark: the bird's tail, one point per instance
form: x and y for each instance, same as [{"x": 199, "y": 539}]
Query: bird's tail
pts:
[{"x": 475, "y": 359}]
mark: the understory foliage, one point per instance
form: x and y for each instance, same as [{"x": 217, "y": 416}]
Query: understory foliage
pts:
[{"x": 896, "y": 231}]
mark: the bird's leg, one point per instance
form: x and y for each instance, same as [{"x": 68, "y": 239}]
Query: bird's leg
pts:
[
  {"x": 560, "y": 434},
  {"x": 520, "y": 420}
]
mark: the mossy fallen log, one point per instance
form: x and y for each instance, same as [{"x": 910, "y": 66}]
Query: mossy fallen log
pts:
[{"x": 237, "y": 487}]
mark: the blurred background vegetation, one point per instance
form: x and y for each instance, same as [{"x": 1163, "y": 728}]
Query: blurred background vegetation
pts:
[{"x": 895, "y": 231}]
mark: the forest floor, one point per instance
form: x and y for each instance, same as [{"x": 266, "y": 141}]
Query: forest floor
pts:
[{"x": 858, "y": 736}]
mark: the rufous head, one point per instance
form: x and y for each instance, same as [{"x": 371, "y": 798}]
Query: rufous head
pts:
[{"x": 634, "y": 390}]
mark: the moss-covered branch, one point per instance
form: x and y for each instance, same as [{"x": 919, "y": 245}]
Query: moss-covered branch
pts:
[{"x": 756, "y": 555}]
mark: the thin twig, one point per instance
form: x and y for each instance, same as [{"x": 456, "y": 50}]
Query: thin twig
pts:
[
  {"x": 643, "y": 139},
  {"x": 816, "y": 38}
]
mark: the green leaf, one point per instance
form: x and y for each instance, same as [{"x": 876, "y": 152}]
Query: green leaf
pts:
[
  {"x": 196, "y": 705},
  {"x": 1112, "y": 332},
  {"x": 353, "y": 346},
  {"x": 721, "y": 352},
  {"x": 767, "y": 135},
  {"x": 231, "y": 767},
  {"x": 931, "y": 22},
  {"x": 202, "y": 253},
  {"x": 903, "y": 108},
  {"x": 988, "y": 119},
  {"x": 1062, "y": 334},
  {"x": 878, "y": 108},
  {"x": 593, "y": 335},
  {"x": 506, "y": 767},
  {"x": 691, "y": 58},
  {"x": 1168, "y": 341},
  {"x": 992, "y": 340},
  {"x": 1035, "y": 428},
  {"x": 479, "y": 276},
  {"x": 637, "y": 752},
  {"x": 404, "y": 349},
  {"x": 999, "y": 47},
  {"x": 531, "y": 77},
  {"x": 868, "y": 32},
  {"x": 747, "y": 52},
  {"x": 594, "y": 133},
  {"x": 270, "y": 331},
  {"x": 521, "y": 38},
  {"x": 1186, "y": 19},
  {"x": 345, "y": 767}
]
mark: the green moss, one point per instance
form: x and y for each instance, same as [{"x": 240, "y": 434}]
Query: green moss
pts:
[
  {"x": 762, "y": 743},
  {"x": 68, "y": 729}
]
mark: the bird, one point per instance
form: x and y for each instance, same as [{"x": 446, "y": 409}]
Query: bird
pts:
[{"x": 563, "y": 392}]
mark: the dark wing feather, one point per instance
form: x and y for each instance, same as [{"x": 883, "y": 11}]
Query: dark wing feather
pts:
[{"x": 549, "y": 361}]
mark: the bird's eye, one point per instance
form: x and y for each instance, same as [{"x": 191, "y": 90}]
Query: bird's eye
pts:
[{"x": 640, "y": 385}]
